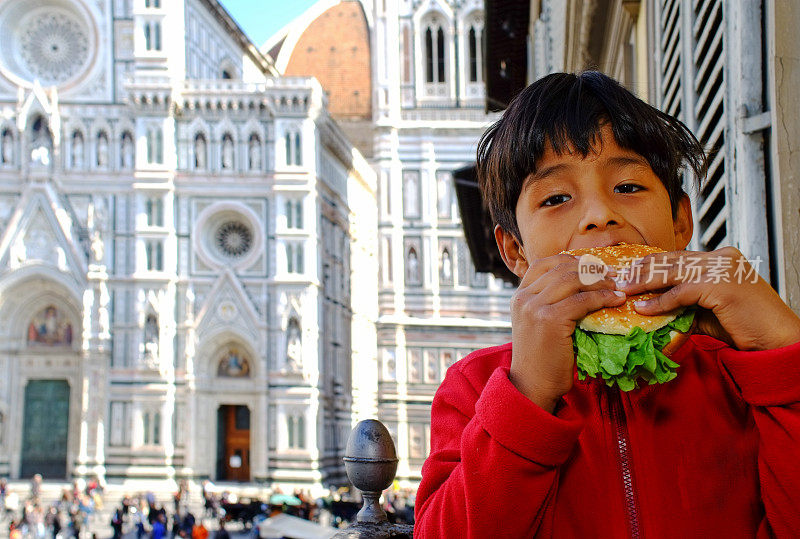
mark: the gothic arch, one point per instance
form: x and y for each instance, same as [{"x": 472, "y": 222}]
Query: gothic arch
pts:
[
  {"x": 221, "y": 343},
  {"x": 227, "y": 67},
  {"x": 34, "y": 293},
  {"x": 471, "y": 27},
  {"x": 435, "y": 45}
]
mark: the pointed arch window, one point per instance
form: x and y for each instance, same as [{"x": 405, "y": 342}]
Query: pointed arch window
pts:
[
  {"x": 294, "y": 148},
  {"x": 154, "y": 254},
  {"x": 151, "y": 427},
  {"x": 475, "y": 50},
  {"x": 154, "y": 210},
  {"x": 294, "y": 214},
  {"x": 152, "y": 36},
  {"x": 296, "y": 431},
  {"x": 435, "y": 52},
  {"x": 155, "y": 145},
  {"x": 294, "y": 257}
]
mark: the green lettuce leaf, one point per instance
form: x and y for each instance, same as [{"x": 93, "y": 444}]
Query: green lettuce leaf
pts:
[{"x": 623, "y": 360}]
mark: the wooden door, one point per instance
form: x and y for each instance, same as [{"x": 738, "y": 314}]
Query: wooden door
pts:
[{"x": 233, "y": 443}]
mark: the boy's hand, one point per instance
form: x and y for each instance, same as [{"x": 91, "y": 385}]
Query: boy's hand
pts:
[
  {"x": 745, "y": 311},
  {"x": 544, "y": 310}
]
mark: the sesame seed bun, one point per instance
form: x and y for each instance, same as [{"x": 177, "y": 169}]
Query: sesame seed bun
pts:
[{"x": 620, "y": 320}]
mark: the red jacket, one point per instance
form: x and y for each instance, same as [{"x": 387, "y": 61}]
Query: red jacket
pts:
[{"x": 714, "y": 453}]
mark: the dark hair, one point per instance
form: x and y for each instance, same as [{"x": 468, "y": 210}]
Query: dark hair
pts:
[{"x": 565, "y": 109}]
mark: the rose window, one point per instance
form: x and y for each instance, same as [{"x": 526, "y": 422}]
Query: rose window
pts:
[
  {"x": 233, "y": 238},
  {"x": 54, "y": 47}
]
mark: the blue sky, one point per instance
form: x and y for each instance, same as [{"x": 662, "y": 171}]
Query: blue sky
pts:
[{"x": 260, "y": 19}]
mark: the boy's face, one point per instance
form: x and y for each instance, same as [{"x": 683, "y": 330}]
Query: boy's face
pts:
[{"x": 610, "y": 196}]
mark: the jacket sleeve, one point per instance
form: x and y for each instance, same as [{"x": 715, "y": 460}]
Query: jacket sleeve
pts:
[
  {"x": 494, "y": 461},
  {"x": 769, "y": 381}
]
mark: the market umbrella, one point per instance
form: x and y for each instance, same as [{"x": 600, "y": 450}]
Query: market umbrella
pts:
[{"x": 281, "y": 499}]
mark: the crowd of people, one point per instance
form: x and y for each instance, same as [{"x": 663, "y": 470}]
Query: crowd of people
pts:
[
  {"x": 65, "y": 517},
  {"x": 143, "y": 515}
]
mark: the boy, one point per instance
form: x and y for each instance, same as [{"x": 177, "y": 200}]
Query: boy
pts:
[{"x": 519, "y": 446}]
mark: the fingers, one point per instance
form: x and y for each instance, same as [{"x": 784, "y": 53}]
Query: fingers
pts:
[
  {"x": 541, "y": 266},
  {"x": 555, "y": 286},
  {"x": 681, "y": 295},
  {"x": 557, "y": 294},
  {"x": 579, "y": 305}
]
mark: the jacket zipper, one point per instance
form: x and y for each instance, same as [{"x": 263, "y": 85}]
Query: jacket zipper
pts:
[{"x": 624, "y": 454}]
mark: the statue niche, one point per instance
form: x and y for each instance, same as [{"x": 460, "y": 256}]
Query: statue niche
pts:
[
  {"x": 150, "y": 337},
  {"x": 294, "y": 347},
  {"x": 41, "y": 142}
]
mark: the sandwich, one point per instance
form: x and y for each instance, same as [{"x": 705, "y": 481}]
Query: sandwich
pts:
[{"x": 620, "y": 345}]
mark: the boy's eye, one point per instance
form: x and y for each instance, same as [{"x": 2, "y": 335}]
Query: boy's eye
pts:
[
  {"x": 555, "y": 200},
  {"x": 628, "y": 188}
]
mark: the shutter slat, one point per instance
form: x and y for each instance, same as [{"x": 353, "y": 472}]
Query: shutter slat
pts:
[
  {"x": 708, "y": 28},
  {"x": 716, "y": 72},
  {"x": 716, "y": 162},
  {"x": 672, "y": 92},
  {"x": 703, "y": 126},
  {"x": 716, "y": 46},
  {"x": 712, "y": 196},
  {"x": 701, "y": 15},
  {"x": 671, "y": 66},
  {"x": 719, "y": 221},
  {"x": 671, "y": 45},
  {"x": 669, "y": 23}
]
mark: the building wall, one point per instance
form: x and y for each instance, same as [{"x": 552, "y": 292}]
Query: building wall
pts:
[
  {"x": 782, "y": 58},
  {"x": 434, "y": 307},
  {"x": 195, "y": 237}
]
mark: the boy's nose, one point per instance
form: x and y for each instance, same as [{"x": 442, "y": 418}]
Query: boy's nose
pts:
[{"x": 600, "y": 215}]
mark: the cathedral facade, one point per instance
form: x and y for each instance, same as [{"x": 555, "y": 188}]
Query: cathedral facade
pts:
[{"x": 177, "y": 248}]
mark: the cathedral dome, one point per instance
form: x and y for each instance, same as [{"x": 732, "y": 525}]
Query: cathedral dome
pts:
[{"x": 333, "y": 47}]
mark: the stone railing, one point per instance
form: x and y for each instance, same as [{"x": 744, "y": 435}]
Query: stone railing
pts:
[{"x": 371, "y": 463}]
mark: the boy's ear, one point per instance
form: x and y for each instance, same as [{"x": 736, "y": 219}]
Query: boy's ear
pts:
[
  {"x": 683, "y": 224},
  {"x": 511, "y": 251}
]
